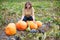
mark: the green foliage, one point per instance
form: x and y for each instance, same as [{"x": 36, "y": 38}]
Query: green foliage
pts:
[
  {"x": 47, "y": 19},
  {"x": 45, "y": 11}
]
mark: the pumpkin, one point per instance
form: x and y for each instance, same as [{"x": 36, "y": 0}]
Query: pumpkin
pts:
[
  {"x": 33, "y": 25},
  {"x": 39, "y": 24},
  {"x": 28, "y": 22},
  {"x": 21, "y": 25},
  {"x": 10, "y": 29}
]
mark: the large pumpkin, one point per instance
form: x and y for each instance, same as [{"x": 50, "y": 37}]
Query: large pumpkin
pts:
[
  {"x": 33, "y": 25},
  {"x": 10, "y": 29},
  {"x": 39, "y": 24},
  {"x": 21, "y": 25}
]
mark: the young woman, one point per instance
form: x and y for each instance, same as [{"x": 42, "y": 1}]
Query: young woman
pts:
[{"x": 28, "y": 12}]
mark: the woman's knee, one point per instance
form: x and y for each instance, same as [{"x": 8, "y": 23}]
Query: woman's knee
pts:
[{"x": 24, "y": 19}]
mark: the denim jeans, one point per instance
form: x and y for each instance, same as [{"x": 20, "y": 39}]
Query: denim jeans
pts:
[{"x": 27, "y": 18}]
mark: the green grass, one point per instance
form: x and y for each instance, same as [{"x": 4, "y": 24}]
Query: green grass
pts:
[
  {"x": 44, "y": 8},
  {"x": 45, "y": 11}
]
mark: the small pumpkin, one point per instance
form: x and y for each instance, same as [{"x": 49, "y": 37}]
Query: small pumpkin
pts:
[
  {"x": 21, "y": 25},
  {"x": 39, "y": 24},
  {"x": 33, "y": 25},
  {"x": 10, "y": 29}
]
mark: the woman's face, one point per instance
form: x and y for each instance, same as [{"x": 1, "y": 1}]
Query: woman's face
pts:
[{"x": 28, "y": 6}]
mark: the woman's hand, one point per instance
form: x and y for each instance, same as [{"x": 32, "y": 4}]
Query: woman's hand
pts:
[
  {"x": 21, "y": 20},
  {"x": 34, "y": 21}
]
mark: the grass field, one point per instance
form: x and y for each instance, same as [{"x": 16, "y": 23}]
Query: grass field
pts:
[{"x": 45, "y": 11}]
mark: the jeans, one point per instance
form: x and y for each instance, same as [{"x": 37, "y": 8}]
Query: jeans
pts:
[{"x": 27, "y": 18}]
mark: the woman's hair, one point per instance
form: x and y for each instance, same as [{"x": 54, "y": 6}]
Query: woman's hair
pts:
[{"x": 29, "y": 4}]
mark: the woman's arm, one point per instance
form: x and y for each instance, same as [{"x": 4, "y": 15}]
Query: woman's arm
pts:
[
  {"x": 22, "y": 14},
  {"x": 33, "y": 14},
  {"x": 22, "y": 17}
]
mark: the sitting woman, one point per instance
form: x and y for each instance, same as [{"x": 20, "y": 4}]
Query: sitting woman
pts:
[{"x": 28, "y": 12}]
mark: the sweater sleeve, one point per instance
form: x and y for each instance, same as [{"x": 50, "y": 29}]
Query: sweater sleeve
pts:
[
  {"x": 33, "y": 13},
  {"x": 22, "y": 14}
]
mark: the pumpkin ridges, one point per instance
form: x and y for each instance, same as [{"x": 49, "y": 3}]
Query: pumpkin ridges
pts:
[
  {"x": 21, "y": 25},
  {"x": 39, "y": 24},
  {"x": 10, "y": 29},
  {"x": 33, "y": 25},
  {"x": 14, "y": 28},
  {"x": 13, "y": 31},
  {"x": 7, "y": 31}
]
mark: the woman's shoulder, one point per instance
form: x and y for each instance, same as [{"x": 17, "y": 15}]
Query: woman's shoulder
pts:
[{"x": 33, "y": 9}]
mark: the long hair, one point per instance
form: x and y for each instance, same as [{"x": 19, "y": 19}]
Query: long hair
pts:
[{"x": 29, "y": 4}]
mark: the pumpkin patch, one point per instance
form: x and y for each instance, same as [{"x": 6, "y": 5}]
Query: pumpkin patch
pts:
[
  {"x": 21, "y": 25},
  {"x": 10, "y": 29}
]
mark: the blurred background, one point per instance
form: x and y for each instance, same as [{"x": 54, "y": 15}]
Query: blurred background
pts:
[{"x": 46, "y": 11}]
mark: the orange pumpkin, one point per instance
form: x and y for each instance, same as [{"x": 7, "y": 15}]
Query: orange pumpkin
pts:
[
  {"x": 28, "y": 22},
  {"x": 39, "y": 24},
  {"x": 21, "y": 25},
  {"x": 10, "y": 29},
  {"x": 33, "y": 25}
]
